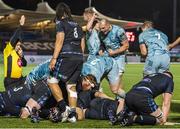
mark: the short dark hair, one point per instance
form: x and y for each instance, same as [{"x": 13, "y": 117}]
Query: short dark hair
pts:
[
  {"x": 63, "y": 10},
  {"x": 91, "y": 78}
]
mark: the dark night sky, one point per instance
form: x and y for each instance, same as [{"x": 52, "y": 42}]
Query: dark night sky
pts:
[{"x": 159, "y": 11}]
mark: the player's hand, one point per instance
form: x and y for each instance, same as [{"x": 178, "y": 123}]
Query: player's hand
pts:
[
  {"x": 22, "y": 20},
  {"x": 111, "y": 52},
  {"x": 101, "y": 53},
  {"x": 94, "y": 16},
  {"x": 52, "y": 63},
  {"x": 20, "y": 52},
  {"x": 170, "y": 47}
]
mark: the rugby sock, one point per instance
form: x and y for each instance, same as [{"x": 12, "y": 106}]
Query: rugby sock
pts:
[
  {"x": 72, "y": 113},
  {"x": 145, "y": 120},
  {"x": 62, "y": 106}
]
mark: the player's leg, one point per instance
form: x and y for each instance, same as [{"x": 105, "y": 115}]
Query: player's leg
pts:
[
  {"x": 114, "y": 81},
  {"x": 41, "y": 93},
  {"x": 53, "y": 80},
  {"x": 143, "y": 105},
  {"x": 71, "y": 89},
  {"x": 150, "y": 66},
  {"x": 165, "y": 63},
  {"x": 121, "y": 68}
]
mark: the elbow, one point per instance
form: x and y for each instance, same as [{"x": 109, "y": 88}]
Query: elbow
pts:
[
  {"x": 143, "y": 53},
  {"x": 127, "y": 46}
]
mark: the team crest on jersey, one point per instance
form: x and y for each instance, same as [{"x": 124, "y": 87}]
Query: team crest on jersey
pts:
[{"x": 19, "y": 62}]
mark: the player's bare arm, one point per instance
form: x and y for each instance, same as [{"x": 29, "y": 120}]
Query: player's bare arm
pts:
[
  {"x": 57, "y": 49},
  {"x": 143, "y": 49},
  {"x": 166, "y": 105},
  {"x": 174, "y": 44},
  {"x": 123, "y": 48}
]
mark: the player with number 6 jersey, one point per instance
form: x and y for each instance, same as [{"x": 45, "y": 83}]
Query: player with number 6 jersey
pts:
[
  {"x": 67, "y": 60},
  {"x": 154, "y": 44}
]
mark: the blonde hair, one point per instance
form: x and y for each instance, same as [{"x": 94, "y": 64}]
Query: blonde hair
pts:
[
  {"x": 88, "y": 10},
  {"x": 148, "y": 24}
]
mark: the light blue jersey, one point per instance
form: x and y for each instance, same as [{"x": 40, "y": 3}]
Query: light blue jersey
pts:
[
  {"x": 113, "y": 41},
  {"x": 158, "y": 59},
  {"x": 93, "y": 42},
  {"x": 155, "y": 40},
  {"x": 38, "y": 73},
  {"x": 114, "y": 38},
  {"x": 99, "y": 66}
]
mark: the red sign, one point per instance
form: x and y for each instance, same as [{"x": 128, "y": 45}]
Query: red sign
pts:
[{"x": 130, "y": 36}]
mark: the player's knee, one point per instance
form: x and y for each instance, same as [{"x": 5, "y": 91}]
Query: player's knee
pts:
[
  {"x": 71, "y": 89},
  {"x": 25, "y": 112},
  {"x": 52, "y": 80},
  {"x": 80, "y": 113}
]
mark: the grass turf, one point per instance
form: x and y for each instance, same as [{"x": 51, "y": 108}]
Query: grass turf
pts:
[{"x": 132, "y": 75}]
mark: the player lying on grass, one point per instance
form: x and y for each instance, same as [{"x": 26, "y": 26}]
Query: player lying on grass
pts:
[
  {"x": 99, "y": 108},
  {"x": 12, "y": 100},
  {"x": 140, "y": 100}
]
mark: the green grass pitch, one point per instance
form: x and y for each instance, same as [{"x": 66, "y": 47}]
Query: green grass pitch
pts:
[{"x": 132, "y": 75}]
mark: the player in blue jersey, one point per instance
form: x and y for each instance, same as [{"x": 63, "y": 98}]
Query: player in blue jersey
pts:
[
  {"x": 40, "y": 72},
  {"x": 103, "y": 66},
  {"x": 153, "y": 44},
  {"x": 92, "y": 31},
  {"x": 115, "y": 42},
  {"x": 140, "y": 99}
]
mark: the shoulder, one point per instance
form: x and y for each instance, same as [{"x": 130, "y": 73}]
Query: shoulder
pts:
[{"x": 118, "y": 28}]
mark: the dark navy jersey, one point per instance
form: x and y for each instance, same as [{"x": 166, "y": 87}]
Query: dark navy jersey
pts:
[
  {"x": 156, "y": 84},
  {"x": 73, "y": 35}
]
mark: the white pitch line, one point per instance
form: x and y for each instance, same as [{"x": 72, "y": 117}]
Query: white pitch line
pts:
[
  {"x": 176, "y": 100},
  {"x": 172, "y": 123}
]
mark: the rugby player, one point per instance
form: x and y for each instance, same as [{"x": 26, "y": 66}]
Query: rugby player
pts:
[
  {"x": 67, "y": 59},
  {"x": 140, "y": 99},
  {"x": 154, "y": 45},
  {"x": 92, "y": 31},
  {"x": 114, "y": 40}
]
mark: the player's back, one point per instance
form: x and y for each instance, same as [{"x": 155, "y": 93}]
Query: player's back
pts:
[
  {"x": 157, "y": 83},
  {"x": 97, "y": 66},
  {"x": 155, "y": 40},
  {"x": 73, "y": 35},
  {"x": 38, "y": 73}
]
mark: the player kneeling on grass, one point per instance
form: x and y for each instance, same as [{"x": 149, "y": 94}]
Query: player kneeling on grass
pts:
[{"x": 140, "y": 100}]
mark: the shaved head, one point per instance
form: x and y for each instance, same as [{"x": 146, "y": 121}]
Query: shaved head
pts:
[{"x": 104, "y": 25}]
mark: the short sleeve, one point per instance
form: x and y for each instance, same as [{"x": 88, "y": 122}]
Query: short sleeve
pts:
[
  {"x": 141, "y": 40},
  {"x": 59, "y": 26},
  {"x": 121, "y": 34}
]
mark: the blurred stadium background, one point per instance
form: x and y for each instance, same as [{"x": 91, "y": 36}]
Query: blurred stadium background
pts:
[{"x": 39, "y": 35}]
